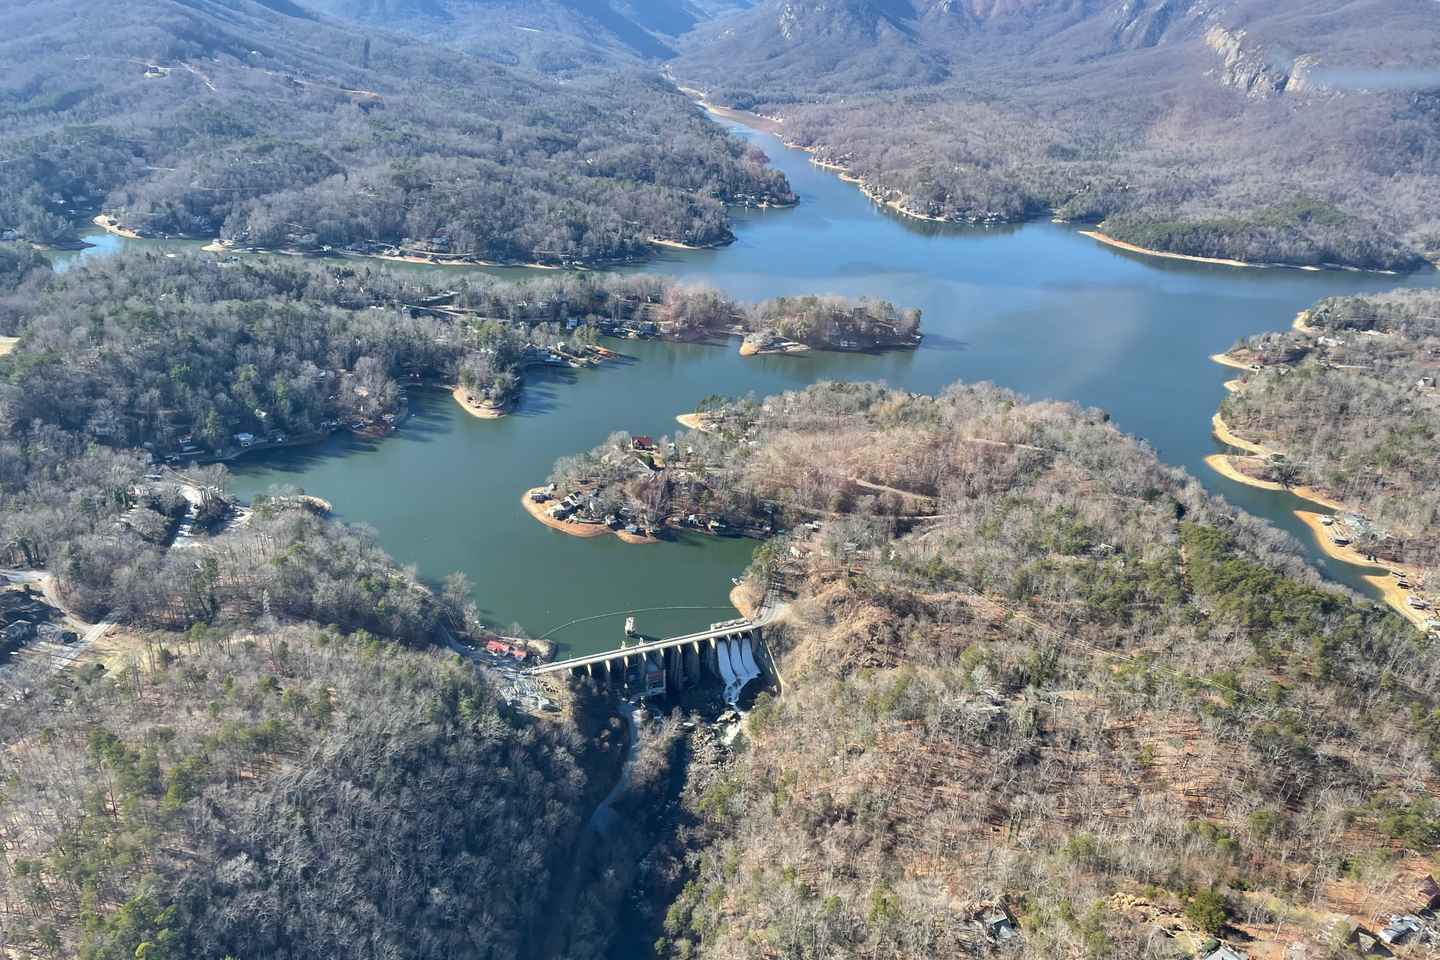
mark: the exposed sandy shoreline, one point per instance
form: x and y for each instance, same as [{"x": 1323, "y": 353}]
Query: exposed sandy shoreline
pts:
[
  {"x": 755, "y": 120},
  {"x": 1308, "y": 267},
  {"x": 537, "y": 510},
  {"x": 111, "y": 225},
  {"x": 1387, "y": 585},
  {"x": 1222, "y": 431},
  {"x": 585, "y": 531},
  {"x": 1227, "y": 465},
  {"x": 215, "y": 246},
  {"x": 846, "y": 176},
  {"x": 678, "y": 245},
  {"x": 1225, "y": 360},
  {"x": 8, "y": 344},
  {"x": 693, "y": 421},
  {"x": 772, "y": 125},
  {"x": 1122, "y": 245},
  {"x": 482, "y": 411}
]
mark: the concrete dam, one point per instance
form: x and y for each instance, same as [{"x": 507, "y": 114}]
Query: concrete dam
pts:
[{"x": 731, "y": 652}]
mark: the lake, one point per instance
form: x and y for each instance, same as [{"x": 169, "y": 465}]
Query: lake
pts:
[{"x": 1036, "y": 308}]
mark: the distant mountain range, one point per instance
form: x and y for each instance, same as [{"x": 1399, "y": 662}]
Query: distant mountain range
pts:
[
  {"x": 555, "y": 35},
  {"x": 1262, "y": 46},
  {"x": 1301, "y": 132}
]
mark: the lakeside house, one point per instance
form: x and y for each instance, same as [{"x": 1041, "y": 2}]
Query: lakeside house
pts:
[{"x": 511, "y": 651}]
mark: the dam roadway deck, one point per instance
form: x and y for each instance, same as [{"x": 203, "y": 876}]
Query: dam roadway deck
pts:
[{"x": 720, "y": 631}]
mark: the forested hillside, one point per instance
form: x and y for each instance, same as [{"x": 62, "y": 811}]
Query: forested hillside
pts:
[
  {"x": 282, "y": 792},
  {"x": 1030, "y": 673},
  {"x": 273, "y": 755},
  {"x": 1350, "y": 406},
  {"x": 265, "y": 125},
  {"x": 142, "y": 357},
  {"x": 1301, "y": 133}
]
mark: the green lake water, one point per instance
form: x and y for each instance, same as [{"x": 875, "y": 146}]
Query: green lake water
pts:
[{"x": 1036, "y": 308}]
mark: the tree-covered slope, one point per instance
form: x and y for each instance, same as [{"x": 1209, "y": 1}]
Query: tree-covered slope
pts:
[
  {"x": 1026, "y": 667},
  {"x": 275, "y": 128},
  {"x": 286, "y": 792},
  {"x": 1351, "y": 407},
  {"x": 138, "y": 358}
]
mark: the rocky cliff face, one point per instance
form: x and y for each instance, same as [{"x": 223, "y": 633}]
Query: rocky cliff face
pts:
[
  {"x": 1248, "y": 66},
  {"x": 1260, "y": 48}
]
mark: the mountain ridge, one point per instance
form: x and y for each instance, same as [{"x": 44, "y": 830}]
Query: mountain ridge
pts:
[{"x": 1174, "y": 124}]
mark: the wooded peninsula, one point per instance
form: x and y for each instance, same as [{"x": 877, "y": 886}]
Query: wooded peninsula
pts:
[{"x": 1346, "y": 405}]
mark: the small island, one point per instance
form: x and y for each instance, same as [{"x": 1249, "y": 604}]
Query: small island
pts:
[{"x": 787, "y": 325}]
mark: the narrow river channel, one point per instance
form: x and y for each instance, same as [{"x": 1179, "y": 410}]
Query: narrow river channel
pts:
[{"x": 1036, "y": 308}]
